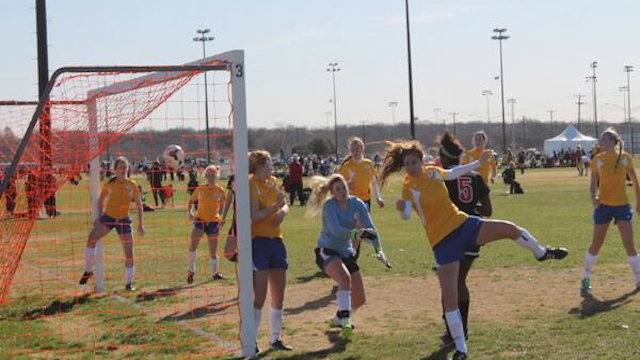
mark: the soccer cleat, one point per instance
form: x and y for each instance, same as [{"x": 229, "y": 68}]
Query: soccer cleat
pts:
[
  {"x": 280, "y": 346},
  {"x": 130, "y": 287},
  {"x": 190, "y": 276},
  {"x": 85, "y": 277},
  {"x": 458, "y": 355},
  {"x": 218, "y": 276},
  {"x": 554, "y": 253},
  {"x": 347, "y": 329}
]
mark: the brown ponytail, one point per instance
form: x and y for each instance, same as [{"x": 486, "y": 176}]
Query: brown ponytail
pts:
[{"x": 394, "y": 159}]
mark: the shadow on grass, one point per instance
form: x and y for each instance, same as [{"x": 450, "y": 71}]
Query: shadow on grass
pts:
[
  {"x": 160, "y": 293},
  {"x": 440, "y": 354},
  {"x": 306, "y": 278},
  {"x": 57, "y": 307},
  {"x": 590, "y": 305},
  {"x": 202, "y": 311},
  {"x": 314, "y": 304},
  {"x": 338, "y": 345}
]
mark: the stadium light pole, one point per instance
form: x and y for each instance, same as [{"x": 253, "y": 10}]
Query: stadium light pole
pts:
[
  {"x": 579, "y": 103},
  {"x": 333, "y": 68},
  {"x": 512, "y": 101},
  {"x": 628, "y": 69},
  {"x": 487, "y": 93},
  {"x": 551, "y": 121},
  {"x": 411, "y": 114},
  {"x": 393, "y": 105},
  {"x": 204, "y": 38},
  {"x": 501, "y": 37}
]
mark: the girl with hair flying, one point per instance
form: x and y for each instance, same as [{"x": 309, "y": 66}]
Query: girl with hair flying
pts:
[
  {"x": 450, "y": 232},
  {"x": 609, "y": 169},
  {"x": 270, "y": 262},
  {"x": 488, "y": 169},
  {"x": 113, "y": 205},
  {"x": 345, "y": 218},
  {"x": 206, "y": 220}
]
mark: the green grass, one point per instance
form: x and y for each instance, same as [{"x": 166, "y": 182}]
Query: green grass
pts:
[{"x": 45, "y": 318}]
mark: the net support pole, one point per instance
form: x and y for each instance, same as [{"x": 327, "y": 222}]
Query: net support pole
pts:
[
  {"x": 94, "y": 188},
  {"x": 248, "y": 334}
]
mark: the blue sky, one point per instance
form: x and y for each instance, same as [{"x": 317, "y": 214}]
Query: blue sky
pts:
[{"x": 289, "y": 43}]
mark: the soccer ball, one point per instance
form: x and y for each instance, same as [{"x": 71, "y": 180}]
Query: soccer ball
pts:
[{"x": 173, "y": 156}]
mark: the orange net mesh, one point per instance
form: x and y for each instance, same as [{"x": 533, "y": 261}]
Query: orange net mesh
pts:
[{"x": 45, "y": 218}]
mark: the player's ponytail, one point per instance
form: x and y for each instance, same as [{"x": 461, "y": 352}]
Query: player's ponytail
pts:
[
  {"x": 394, "y": 158},
  {"x": 613, "y": 134},
  {"x": 320, "y": 188}
]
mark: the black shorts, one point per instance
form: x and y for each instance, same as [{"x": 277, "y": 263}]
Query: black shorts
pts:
[{"x": 323, "y": 254}]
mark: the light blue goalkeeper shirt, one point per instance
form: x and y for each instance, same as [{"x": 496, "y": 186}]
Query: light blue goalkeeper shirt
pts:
[{"x": 337, "y": 223}]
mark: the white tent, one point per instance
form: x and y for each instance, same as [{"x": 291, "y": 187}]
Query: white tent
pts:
[{"x": 569, "y": 138}]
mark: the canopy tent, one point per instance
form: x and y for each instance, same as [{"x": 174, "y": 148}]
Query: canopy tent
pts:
[{"x": 569, "y": 138}]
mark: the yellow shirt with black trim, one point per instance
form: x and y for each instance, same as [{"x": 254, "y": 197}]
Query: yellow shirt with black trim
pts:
[
  {"x": 266, "y": 194},
  {"x": 613, "y": 190},
  {"x": 429, "y": 198},
  {"x": 117, "y": 197},
  {"x": 210, "y": 200},
  {"x": 484, "y": 170},
  {"x": 360, "y": 174}
]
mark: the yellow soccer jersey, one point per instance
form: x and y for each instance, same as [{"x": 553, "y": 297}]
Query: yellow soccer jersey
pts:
[
  {"x": 117, "y": 195},
  {"x": 612, "y": 180},
  {"x": 360, "y": 173},
  {"x": 266, "y": 193},
  {"x": 430, "y": 199},
  {"x": 210, "y": 200},
  {"x": 484, "y": 170}
]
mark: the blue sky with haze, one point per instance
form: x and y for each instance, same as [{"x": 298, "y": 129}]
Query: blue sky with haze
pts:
[{"x": 289, "y": 43}]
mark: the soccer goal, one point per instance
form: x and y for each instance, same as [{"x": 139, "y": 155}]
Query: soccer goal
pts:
[{"x": 60, "y": 151}]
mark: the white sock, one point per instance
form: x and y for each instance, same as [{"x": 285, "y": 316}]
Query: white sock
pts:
[
  {"x": 192, "y": 261},
  {"x": 589, "y": 262},
  {"x": 454, "y": 320},
  {"x": 344, "y": 300},
  {"x": 128, "y": 272},
  {"x": 530, "y": 243},
  {"x": 214, "y": 265},
  {"x": 257, "y": 316},
  {"x": 275, "y": 321},
  {"x": 89, "y": 259},
  {"x": 634, "y": 262}
]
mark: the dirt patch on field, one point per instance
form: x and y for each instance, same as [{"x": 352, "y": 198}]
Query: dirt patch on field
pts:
[{"x": 504, "y": 296}]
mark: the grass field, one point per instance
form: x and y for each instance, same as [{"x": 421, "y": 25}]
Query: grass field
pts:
[{"x": 520, "y": 309}]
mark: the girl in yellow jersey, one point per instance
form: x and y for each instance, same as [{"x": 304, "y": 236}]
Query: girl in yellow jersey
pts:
[
  {"x": 609, "y": 169},
  {"x": 450, "y": 231},
  {"x": 360, "y": 173},
  {"x": 270, "y": 262},
  {"x": 487, "y": 170},
  {"x": 206, "y": 220},
  {"x": 114, "y": 203}
]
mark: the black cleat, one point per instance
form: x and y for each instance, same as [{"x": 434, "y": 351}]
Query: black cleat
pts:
[
  {"x": 190, "y": 276},
  {"x": 554, "y": 253},
  {"x": 279, "y": 345},
  {"x": 130, "y": 287},
  {"x": 458, "y": 355},
  {"x": 85, "y": 277},
  {"x": 218, "y": 276}
]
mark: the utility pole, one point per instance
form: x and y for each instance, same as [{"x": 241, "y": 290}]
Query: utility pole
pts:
[
  {"x": 333, "y": 68},
  {"x": 579, "y": 103},
  {"x": 551, "y": 121},
  {"x": 593, "y": 79},
  {"x": 488, "y": 93},
  {"x": 364, "y": 132},
  {"x": 524, "y": 132},
  {"x": 393, "y": 105},
  {"x": 453, "y": 115},
  {"x": 628, "y": 69},
  {"x": 204, "y": 38},
  {"x": 513, "y": 124}
]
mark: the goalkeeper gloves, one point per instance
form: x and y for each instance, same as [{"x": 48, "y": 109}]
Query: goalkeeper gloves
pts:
[
  {"x": 363, "y": 234},
  {"x": 382, "y": 257}
]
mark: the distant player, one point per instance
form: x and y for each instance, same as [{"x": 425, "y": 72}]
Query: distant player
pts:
[
  {"x": 113, "y": 204},
  {"x": 488, "y": 170},
  {"x": 270, "y": 261},
  {"x": 609, "y": 169},
  {"x": 470, "y": 194},
  {"x": 206, "y": 220},
  {"x": 450, "y": 232},
  {"x": 345, "y": 218},
  {"x": 360, "y": 173}
]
